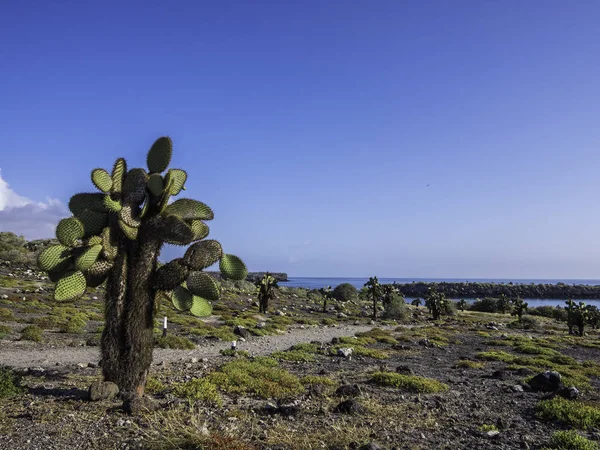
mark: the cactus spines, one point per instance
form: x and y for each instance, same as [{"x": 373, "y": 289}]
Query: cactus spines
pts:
[
  {"x": 120, "y": 246},
  {"x": 159, "y": 156},
  {"x": 186, "y": 208},
  {"x": 70, "y": 287},
  {"x": 203, "y": 285},
  {"x": 156, "y": 184},
  {"x": 69, "y": 231},
  {"x": 102, "y": 180},
  {"x": 233, "y": 267},
  {"x": 203, "y": 254}
]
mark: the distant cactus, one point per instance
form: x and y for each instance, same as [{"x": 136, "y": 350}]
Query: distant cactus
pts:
[
  {"x": 503, "y": 303},
  {"x": 570, "y": 316},
  {"x": 116, "y": 236},
  {"x": 417, "y": 302},
  {"x": 265, "y": 291},
  {"x": 390, "y": 291},
  {"x": 374, "y": 293},
  {"x": 519, "y": 307},
  {"x": 436, "y": 303},
  {"x": 327, "y": 294},
  {"x": 462, "y": 304}
]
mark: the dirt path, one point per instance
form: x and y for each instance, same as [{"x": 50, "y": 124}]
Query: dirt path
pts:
[{"x": 26, "y": 354}]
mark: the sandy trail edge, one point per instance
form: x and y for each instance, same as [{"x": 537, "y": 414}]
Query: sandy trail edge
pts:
[{"x": 23, "y": 354}]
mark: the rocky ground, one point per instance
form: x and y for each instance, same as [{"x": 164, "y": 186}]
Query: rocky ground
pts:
[{"x": 465, "y": 382}]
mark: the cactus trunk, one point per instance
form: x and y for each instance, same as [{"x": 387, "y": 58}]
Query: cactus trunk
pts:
[{"x": 127, "y": 339}]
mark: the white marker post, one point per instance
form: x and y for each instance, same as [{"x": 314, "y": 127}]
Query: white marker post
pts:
[
  {"x": 233, "y": 345},
  {"x": 165, "y": 327}
]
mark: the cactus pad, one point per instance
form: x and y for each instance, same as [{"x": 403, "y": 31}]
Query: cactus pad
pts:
[
  {"x": 112, "y": 205},
  {"x": 182, "y": 298},
  {"x": 102, "y": 180},
  {"x": 88, "y": 257},
  {"x": 54, "y": 258},
  {"x": 186, "y": 208},
  {"x": 203, "y": 254},
  {"x": 94, "y": 240},
  {"x": 100, "y": 268},
  {"x": 129, "y": 232},
  {"x": 156, "y": 184},
  {"x": 159, "y": 155},
  {"x": 118, "y": 175},
  {"x": 81, "y": 202},
  {"x": 130, "y": 215},
  {"x": 233, "y": 267},
  {"x": 93, "y": 221},
  {"x": 170, "y": 275},
  {"x": 134, "y": 188},
  {"x": 200, "y": 307},
  {"x": 70, "y": 287},
  {"x": 199, "y": 228},
  {"x": 175, "y": 180},
  {"x": 203, "y": 285},
  {"x": 110, "y": 247},
  {"x": 175, "y": 231},
  {"x": 68, "y": 231}
]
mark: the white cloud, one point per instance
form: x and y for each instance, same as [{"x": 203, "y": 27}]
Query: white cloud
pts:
[{"x": 22, "y": 216}]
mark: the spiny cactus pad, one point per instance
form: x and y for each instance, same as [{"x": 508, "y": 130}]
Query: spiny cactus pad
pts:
[
  {"x": 130, "y": 215},
  {"x": 170, "y": 275},
  {"x": 100, "y": 267},
  {"x": 53, "y": 257},
  {"x": 110, "y": 247},
  {"x": 134, "y": 188},
  {"x": 200, "y": 307},
  {"x": 93, "y": 221},
  {"x": 70, "y": 287},
  {"x": 118, "y": 175},
  {"x": 181, "y": 298},
  {"x": 199, "y": 228},
  {"x": 176, "y": 231},
  {"x": 88, "y": 257},
  {"x": 94, "y": 240},
  {"x": 159, "y": 156},
  {"x": 177, "y": 178},
  {"x": 186, "y": 208},
  {"x": 233, "y": 267},
  {"x": 129, "y": 232},
  {"x": 156, "y": 184},
  {"x": 111, "y": 204},
  {"x": 102, "y": 180},
  {"x": 87, "y": 201},
  {"x": 68, "y": 231},
  {"x": 203, "y": 285},
  {"x": 203, "y": 254}
]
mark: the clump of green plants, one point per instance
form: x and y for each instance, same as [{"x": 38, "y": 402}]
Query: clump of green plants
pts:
[
  {"x": 570, "y": 440},
  {"x": 568, "y": 412},
  {"x": 4, "y": 331},
  {"x": 261, "y": 377},
  {"x": 468, "y": 364},
  {"x": 154, "y": 386},
  {"x": 31, "y": 333},
  {"x": 395, "y": 308},
  {"x": 10, "y": 382},
  {"x": 6, "y": 315},
  {"x": 222, "y": 333},
  {"x": 345, "y": 292},
  {"x": 411, "y": 383},
  {"x": 327, "y": 321},
  {"x": 300, "y": 352},
  {"x": 379, "y": 335},
  {"x": 73, "y": 324},
  {"x": 437, "y": 304},
  {"x": 488, "y": 427},
  {"x": 177, "y": 342},
  {"x": 199, "y": 390},
  {"x": 265, "y": 291}
]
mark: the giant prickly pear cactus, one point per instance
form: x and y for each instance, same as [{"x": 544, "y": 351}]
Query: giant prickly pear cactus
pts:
[
  {"x": 265, "y": 291},
  {"x": 116, "y": 236},
  {"x": 374, "y": 292}
]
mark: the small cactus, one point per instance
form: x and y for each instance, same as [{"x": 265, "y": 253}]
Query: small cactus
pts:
[
  {"x": 518, "y": 308},
  {"x": 265, "y": 288},
  {"x": 327, "y": 294}
]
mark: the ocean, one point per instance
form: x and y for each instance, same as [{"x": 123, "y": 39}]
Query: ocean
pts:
[{"x": 316, "y": 283}]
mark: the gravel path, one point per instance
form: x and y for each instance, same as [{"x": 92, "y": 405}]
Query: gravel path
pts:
[{"x": 23, "y": 354}]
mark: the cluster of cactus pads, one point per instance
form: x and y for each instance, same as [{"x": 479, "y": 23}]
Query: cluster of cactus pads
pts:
[{"x": 104, "y": 224}]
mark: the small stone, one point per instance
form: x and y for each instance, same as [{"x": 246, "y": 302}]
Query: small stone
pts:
[
  {"x": 260, "y": 325},
  {"x": 102, "y": 390},
  {"x": 404, "y": 370},
  {"x": 82, "y": 365},
  {"x": 570, "y": 393},
  {"x": 194, "y": 360},
  {"x": 92, "y": 365},
  {"x": 492, "y": 433},
  {"x": 371, "y": 446},
  {"x": 139, "y": 405},
  {"x": 500, "y": 375},
  {"x": 345, "y": 352},
  {"x": 517, "y": 388},
  {"x": 348, "y": 390},
  {"x": 241, "y": 331},
  {"x": 350, "y": 406}
]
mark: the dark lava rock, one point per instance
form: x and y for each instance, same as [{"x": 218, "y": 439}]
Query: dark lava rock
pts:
[
  {"x": 570, "y": 393},
  {"x": 241, "y": 331},
  {"x": 500, "y": 375},
  {"x": 287, "y": 410},
  {"x": 348, "y": 390},
  {"x": 350, "y": 407},
  {"x": 404, "y": 370},
  {"x": 139, "y": 405},
  {"x": 548, "y": 381},
  {"x": 335, "y": 340},
  {"x": 371, "y": 446},
  {"x": 102, "y": 390}
]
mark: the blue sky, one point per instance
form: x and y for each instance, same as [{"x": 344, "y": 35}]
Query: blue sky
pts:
[{"x": 313, "y": 128}]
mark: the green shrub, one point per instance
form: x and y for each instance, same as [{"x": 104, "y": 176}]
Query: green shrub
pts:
[
  {"x": 396, "y": 309},
  {"x": 410, "y": 383},
  {"x": 345, "y": 292},
  {"x": 573, "y": 413},
  {"x": 199, "y": 390},
  {"x": 10, "y": 382},
  {"x": 154, "y": 386},
  {"x": 466, "y": 364},
  {"x": 487, "y": 304},
  {"x": 488, "y": 427},
  {"x": 74, "y": 324},
  {"x": 570, "y": 440},
  {"x": 526, "y": 323},
  {"x": 4, "y": 331},
  {"x": 6, "y": 315},
  {"x": 552, "y": 312},
  {"x": 174, "y": 342},
  {"x": 31, "y": 333}
]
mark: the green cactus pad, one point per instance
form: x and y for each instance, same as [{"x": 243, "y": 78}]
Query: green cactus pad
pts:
[
  {"x": 54, "y": 257},
  {"x": 129, "y": 232},
  {"x": 155, "y": 184},
  {"x": 94, "y": 240},
  {"x": 118, "y": 175},
  {"x": 145, "y": 206},
  {"x": 70, "y": 287},
  {"x": 88, "y": 257},
  {"x": 100, "y": 268},
  {"x": 93, "y": 221},
  {"x": 159, "y": 156},
  {"x": 134, "y": 188},
  {"x": 200, "y": 307},
  {"x": 181, "y": 298},
  {"x": 186, "y": 208},
  {"x": 175, "y": 231},
  {"x": 68, "y": 231},
  {"x": 233, "y": 267},
  {"x": 203, "y": 285},
  {"x": 87, "y": 201},
  {"x": 175, "y": 180},
  {"x": 170, "y": 275},
  {"x": 203, "y": 254},
  {"x": 102, "y": 180},
  {"x": 110, "y": 247},
  {"x": 112, "y": 205},
  {"x": 199, "y": 228},
  {"x": 130, "y": 215}
]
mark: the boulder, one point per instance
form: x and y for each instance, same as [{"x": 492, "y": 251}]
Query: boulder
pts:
[
  {"x": 241, "y": 331},
  {"x": 102, "y": 390},
  {"x": 350, "y": 406},
  {"x": 548, "y": 381}
]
